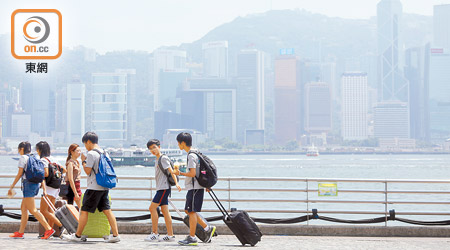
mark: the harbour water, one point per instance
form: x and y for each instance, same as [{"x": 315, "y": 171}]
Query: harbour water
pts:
[{"x": 324, "y": 166}]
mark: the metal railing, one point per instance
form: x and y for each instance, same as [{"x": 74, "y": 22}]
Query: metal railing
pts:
[{"x": 295, "y": 195}]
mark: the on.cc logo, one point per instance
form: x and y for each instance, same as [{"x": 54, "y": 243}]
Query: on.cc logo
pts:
[{"x": 36, "y": 34}]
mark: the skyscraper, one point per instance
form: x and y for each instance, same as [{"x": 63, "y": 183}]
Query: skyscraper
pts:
[
  {"x": 441, "y": 25},
  {"x": 250, "y": 92},
  {"x": 215, "y": 59},
  {"x": 391, "y": 120},
  {"x": 166, "y": 61},
  {"x": 354, "y": 91},
  {"x": 20, "y": 125},
  {"x": 417, "y": 65},
  {"x": 317, "y": 107},
  {"x": 439, "y": 89},
  {"x": 288, "y": 99},
  {"x": 209, "y": 105},
  {"x": 109, "y": 107},
  {"x": 39, "y": 101},
  {"x": 76, "y": 102},
  {"x": 132, "y": 96},
  {"x": 392, "y": 85}
]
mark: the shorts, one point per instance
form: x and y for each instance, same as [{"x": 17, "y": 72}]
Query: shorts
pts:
[
  {"x": 95, "y": 199},
  {"x": 30, "y": 189},
  {"x": 194, "y": 200},
  {"x": 71, "y": 195},
  {"x": 162, "y": 197},
  {"x": 54, "y": 192}
]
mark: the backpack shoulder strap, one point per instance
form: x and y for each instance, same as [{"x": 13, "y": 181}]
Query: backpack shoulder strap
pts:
[
  {"x": 98, "y": 151},
  {"x": 49, "y": 162},
  {"x": 160, "y": 165},
  {"x": 26, "y": 164},
  {"x": 195, "y": 152}
]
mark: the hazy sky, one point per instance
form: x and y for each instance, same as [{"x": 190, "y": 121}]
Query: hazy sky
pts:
[{"x": 149, "y": 24}]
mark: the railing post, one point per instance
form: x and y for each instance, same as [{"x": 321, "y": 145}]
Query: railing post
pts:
[
  {"x": 229, "y": 194},
  {"x": 151, "y": 191},
  {"x": 307, "y": 202},
  {"x": 385, "y": 203}
]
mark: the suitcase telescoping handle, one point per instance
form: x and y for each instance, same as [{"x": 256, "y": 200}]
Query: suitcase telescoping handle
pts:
[
  {"x": 49, "y": 204},
  {"x": 218, "y": 203},
  {"x": 176, "y": 209}
]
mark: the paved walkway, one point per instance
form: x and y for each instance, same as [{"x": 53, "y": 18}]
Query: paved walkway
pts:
[{"x": 133, "y": 241}]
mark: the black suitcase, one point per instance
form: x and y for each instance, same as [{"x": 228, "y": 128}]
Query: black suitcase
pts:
[
  {"x": 239, "y": 223},
  {"x": 199, "y": 231}
]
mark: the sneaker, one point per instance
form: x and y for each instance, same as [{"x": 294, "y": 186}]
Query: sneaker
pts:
[
  {"x": 113, "y": 239},
  {"x": 152, "y": 237},
  {"x": 167, "y": 238},
  {"x": 189, "y": 241},
  {"x": 16, "y": 235},
  {"x": 210, "y": 233},
  {"x": 72, "y": 237},
  {"x": 48, "y": 234}
]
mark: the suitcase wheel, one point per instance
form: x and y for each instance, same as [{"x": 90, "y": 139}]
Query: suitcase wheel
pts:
[
  {"x": 106, "y": 237},
  {"x": 215, "y": 234},
  {"x": 84, "y": 238}
]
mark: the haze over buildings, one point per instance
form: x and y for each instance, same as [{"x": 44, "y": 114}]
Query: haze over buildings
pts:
[{"x": 280, "y": 77}]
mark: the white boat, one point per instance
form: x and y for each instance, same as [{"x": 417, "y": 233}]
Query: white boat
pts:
[
  {"x": 312, "y": 151},
  {"x": 139, "y": 156}
]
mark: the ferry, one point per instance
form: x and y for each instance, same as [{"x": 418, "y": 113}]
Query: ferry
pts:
[
  {"x": 312, "y": 151},
  {"x": 135, "y": 156}
]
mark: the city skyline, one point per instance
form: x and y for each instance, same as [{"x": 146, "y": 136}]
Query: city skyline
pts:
[{"x": 232, "y": 90}]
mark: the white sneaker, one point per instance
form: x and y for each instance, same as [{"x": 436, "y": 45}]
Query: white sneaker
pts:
[
  {"x": 152, "y": 237},
  {"x": 167, "y": 238},
  {"x": 113, "y": 239},
  {"x": 73, "y": 238}
]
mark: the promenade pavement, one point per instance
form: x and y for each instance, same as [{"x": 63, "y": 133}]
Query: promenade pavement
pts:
[{"x": 135, "y": 241}]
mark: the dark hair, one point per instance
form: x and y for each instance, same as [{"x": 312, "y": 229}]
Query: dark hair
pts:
[
  {"x": 71, "y": 149},
  {"x": 26, "y": 147},
  {"x": 90, "y": 136},
  {"x": 152, "y": 142},
  {"x": 44, "y": 149},
  {"x": 185, "y": 137}
]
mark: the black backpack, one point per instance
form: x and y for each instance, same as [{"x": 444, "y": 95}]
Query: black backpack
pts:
[
  {"x": 167, "y": 173},
  {"x": 208, "y": 172},
  {"x": 54, "y": 177}
]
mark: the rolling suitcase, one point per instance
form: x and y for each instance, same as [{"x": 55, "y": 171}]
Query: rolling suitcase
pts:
[
  {"x": 97, "y": 225},
  {"x": 59, "y": 203},
  {"x": 67, "y": 215},
  {"x": 240, "y": 223},
  {"x": 199, "y": 231}
]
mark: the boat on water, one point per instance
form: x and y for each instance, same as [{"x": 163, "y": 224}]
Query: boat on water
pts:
[
  {"x": 312, "y": 151},
  {"x": 135, "y": 156}
]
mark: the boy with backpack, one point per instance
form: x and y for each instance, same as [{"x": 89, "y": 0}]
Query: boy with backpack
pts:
[
  {"x": 101, "y": 177},
  {"x": 165, "y": 177},
  {"x": 194, "y": 196},
  {"x": 31, "y": 170}
]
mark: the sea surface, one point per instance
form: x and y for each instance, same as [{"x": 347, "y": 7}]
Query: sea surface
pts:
[{"x": 426, "y": 167}]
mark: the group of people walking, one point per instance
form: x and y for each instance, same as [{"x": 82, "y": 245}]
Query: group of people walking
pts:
[{"x": 97, "y": 196}]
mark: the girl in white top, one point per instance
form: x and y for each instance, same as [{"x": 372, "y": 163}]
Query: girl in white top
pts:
[{"x": 43, "y": 150}]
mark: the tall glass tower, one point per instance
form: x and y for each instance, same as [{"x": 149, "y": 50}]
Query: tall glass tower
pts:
[{"x": 392, "y": 86}]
